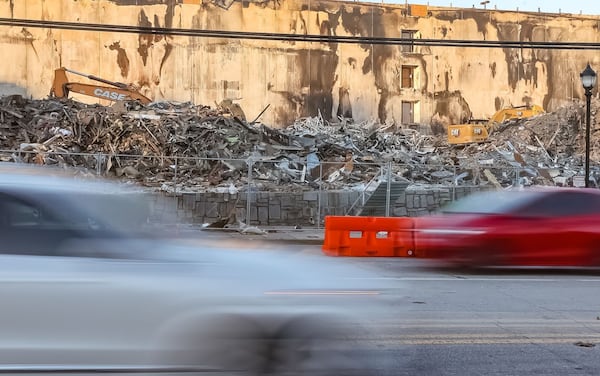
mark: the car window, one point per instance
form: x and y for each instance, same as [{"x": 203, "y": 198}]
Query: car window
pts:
[
  {"x": 560, "y": 204},
  {"x": 493, "y": 202},
  {"x": 29, "y": 228},
  {"x": 15, "y": 213}
]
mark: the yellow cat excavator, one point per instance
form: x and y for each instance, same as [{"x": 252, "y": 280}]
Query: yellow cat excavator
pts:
[
  {"x": 479, "y": 130},
  {"x": 117, "y": 91}
]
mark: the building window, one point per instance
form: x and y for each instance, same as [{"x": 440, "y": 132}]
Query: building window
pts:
[
  {"x": 408, "y": 112},
  {"x": 408, "y": 76},
  {"x": 408, "y": 34}
]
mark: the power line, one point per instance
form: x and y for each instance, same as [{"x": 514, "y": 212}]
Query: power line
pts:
[{"x": 77, "y": 26}]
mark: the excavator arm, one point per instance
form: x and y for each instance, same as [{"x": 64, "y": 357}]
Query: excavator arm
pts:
[
  {"x": 115, "y": 92},
  {"x": 479, "y": 130}
]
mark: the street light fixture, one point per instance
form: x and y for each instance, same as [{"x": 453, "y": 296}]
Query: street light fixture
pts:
[{"x": 588, "y": 80}]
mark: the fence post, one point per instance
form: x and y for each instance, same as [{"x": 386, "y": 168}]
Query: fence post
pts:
[
  {"x": 319, "y": 198},
  {"x": 454, "y": 183},
  {"x": 176, "y": 199},
  {"x": 249, "y": 162},
  {"x": 175, "y": 177},
  {"x": 98, "y": 164},
  {"x": 388, "y": 189}
]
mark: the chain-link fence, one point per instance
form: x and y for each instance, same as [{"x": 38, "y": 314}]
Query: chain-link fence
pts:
[{"x": 287, "y": 190}]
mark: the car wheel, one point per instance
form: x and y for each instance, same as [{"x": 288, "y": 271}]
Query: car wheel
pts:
[
  {"x": 314, "y": 346},
  {"x": 264, "y": 346},
  {"x": 230, "y": 343},
  {"x": 487, "y": 255}
]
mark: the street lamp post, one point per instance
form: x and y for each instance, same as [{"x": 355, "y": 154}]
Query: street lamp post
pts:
[{"x": 588, "y": 80}]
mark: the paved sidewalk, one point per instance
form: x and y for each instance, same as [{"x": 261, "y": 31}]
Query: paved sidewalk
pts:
[{"x": 281, "y": 234}]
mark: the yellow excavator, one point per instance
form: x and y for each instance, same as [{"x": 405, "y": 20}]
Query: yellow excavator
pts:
[
  {"x": 116, "y": 91},
  {"x": 476, "y": 131}
]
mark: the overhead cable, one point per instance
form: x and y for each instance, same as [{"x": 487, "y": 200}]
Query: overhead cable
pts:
[{"x": 200, "y": 33}]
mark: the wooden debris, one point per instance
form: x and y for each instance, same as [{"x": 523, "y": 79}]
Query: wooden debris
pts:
[{"x": 199, "y": 147}]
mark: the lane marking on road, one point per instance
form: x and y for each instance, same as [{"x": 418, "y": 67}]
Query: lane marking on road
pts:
[
  {"x": 481, "y": 341},
  {"x": 322, "y": 293},
  {"x": 487, "y": 326},
  {"x": 528, "y": 335},
  {"x": 478, "y": 279},
  {"x": 407, "y": 320}
]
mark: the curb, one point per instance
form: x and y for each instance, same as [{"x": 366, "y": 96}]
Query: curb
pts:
[{"x": 301, "y": 237}]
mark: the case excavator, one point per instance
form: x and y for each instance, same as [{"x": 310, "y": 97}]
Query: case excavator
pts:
[
  {"x": 476, "y": 131},
  {"x": 116, "y": 91}
]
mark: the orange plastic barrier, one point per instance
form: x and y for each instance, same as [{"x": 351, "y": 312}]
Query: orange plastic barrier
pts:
[{"x": 368, "y": 236}]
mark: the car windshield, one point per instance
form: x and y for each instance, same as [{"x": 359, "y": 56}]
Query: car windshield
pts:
[{"x": 492, "y": 202}]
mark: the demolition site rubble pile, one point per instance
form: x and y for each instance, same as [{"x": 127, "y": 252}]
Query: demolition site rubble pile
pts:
[{"x": 190, "y": 147}]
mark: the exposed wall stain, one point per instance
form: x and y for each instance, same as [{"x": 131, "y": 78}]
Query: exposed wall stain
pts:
[
  {"x": 156, "y": 23},
  {"x": 25, "y": 38},
  {"x": 352, "y": 62},
  {"x": 424, "y": 75},
  {"x": 12, "y": 8},
  {"x": 144, "y": 40},
  {"x": 197, "y": 18},
  {"x": 168, "y": 50},
  {"x": 480, "y": 18},
  {"x": 139, "y": 2},
  {"x": 355, "y": 23},
  {"x": 528, "y": 58},
  {"x": 522, "y": 63},
  {"x": 384, "y": 97},
  {"x": 450, "y": 108},
  {"x": 122, "y": 59},
  {"x": 510, "y": 32},
  {"x": 493, "y": 69},
  {"x": 444, "y": 31},
  {"x": 284, "y": 116},
  {"x": 446, "y": 81},
  {"x": 170, "y": 13},
  {"x": 325, "y": 28},
  {"x": 370, "y": 24},
  {"x": 345, "y": 106},
  {"x": 318, "y": 74}
]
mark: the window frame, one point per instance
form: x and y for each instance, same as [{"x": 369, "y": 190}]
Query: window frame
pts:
[{"x": 408, "y": 35}]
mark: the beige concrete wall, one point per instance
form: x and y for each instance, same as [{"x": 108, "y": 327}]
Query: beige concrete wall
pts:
[{"x": 300, "y": 79}]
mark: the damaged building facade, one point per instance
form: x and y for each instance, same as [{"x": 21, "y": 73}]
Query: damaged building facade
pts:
[{"x": 403, "y": 84}]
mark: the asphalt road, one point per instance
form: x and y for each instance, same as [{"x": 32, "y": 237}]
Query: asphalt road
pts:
[{"x": 486, "y": 322}]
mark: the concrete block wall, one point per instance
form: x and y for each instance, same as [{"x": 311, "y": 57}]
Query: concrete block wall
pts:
[
  {"x": 293, "y": 208},
  {"x": 419, "y": 200},
  {"x": 266, "y": 208}
]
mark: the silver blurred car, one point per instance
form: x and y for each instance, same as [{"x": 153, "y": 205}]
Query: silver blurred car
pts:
[{"x": 83, "y": 290}]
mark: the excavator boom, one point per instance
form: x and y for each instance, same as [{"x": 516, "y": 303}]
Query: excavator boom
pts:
[
  {"x": 518, "y": 112},
  {"x": 120, "y": 85},
  {"x": 479, "y": 130},
  {"x": 116, "y": 92}
]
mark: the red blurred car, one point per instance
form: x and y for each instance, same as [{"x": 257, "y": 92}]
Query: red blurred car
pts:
[{"x": 532, "y": 227}]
